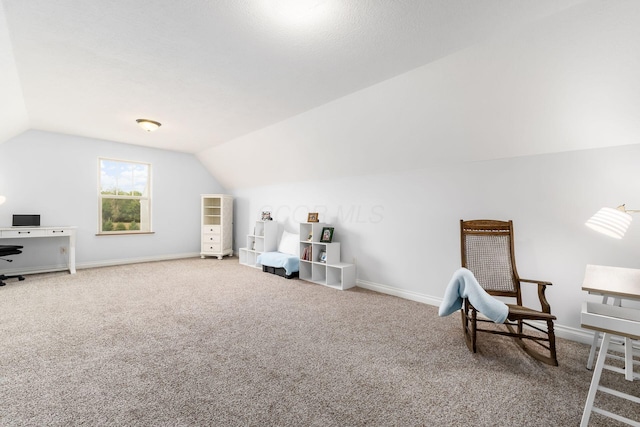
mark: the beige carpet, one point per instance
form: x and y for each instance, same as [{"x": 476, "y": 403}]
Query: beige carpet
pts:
[{"x": 209, "y": 342}]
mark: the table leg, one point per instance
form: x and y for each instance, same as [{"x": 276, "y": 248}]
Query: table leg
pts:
[
  {"x": 628, "y": 359},
  {"x": 594, "y": 344},
  {"x": 595, "y": 380},
  {"x": 72, "y": 253}
]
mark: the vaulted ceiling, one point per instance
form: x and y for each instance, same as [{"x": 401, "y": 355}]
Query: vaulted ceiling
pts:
[{"x": 212, "y": 71}]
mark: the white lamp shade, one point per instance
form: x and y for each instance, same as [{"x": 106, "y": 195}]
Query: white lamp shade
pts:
[{"x": 611, "y": 222}]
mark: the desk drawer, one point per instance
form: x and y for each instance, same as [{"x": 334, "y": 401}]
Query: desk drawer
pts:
[
  {"x": 58, "y": 232},
  {"x": 22, "y": 233}
]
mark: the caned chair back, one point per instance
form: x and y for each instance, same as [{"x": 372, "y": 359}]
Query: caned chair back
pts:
[{"x": 487, "y": 250}]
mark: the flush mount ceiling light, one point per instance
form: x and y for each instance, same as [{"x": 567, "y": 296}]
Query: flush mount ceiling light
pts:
[
  {"x": 611, "y": 222},
  {"x": 297, "y": 12},
  {"x": 148, "y": 125}
]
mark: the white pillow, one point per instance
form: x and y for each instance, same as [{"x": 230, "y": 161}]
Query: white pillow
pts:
[{"x": 289, "y": 244}]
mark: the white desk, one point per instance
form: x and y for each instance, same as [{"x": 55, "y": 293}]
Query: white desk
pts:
[
  {"x": 39, "y": 232},
  {"x": 619, "y": 283}
]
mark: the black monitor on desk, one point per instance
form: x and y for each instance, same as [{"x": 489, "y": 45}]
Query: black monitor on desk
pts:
[{"x": 22, "y": 220}]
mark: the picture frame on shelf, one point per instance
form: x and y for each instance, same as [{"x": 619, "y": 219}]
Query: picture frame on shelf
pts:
[
  {"x": 327, "y": 235},
  {"x": 312, "y": 217},
  {"x": 323, "y": 256},
  {"x": 266, "y": 216}
]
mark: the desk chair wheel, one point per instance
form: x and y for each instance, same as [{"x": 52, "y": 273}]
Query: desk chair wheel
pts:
[{"x": 20, "y": 279}]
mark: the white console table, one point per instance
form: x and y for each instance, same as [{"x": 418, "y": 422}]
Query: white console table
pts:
[{"x": 39, "y": 232}]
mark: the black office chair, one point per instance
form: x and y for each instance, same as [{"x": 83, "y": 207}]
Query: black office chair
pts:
[{"x": 6, "y": 250}]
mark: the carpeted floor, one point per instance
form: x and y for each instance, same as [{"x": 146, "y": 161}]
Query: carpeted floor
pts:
[{"x": 210, "y": 342}]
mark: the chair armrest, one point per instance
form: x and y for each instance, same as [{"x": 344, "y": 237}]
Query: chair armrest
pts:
[
  {"x": 540, "y": 282},
  {"x": 542, "y": 287}
]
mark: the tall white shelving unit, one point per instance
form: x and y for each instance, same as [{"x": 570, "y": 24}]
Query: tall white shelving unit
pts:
[
  {"x": 263, "y": 239},
  {"x": 216, "y": 225},
  {"x": 332, "y": 273}
]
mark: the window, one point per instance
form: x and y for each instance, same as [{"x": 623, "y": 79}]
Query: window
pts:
[{"x": 124, "y": 197}]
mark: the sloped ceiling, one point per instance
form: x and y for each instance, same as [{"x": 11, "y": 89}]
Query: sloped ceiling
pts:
[
  {"x": 563, "y": 83},
  {"x": 214, "y": 71}
]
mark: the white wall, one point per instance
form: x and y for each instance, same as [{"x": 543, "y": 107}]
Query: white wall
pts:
[
  {"x": 403, "y": 228},
  {"x": 13, "y": 112},
  {"x": 56, "y": 176},
  {"x": 396, "y": 166},
  {"x": 564, "y": 83}
]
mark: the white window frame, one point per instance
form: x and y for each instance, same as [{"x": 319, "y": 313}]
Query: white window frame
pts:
[{"x": 145, "y": 200}]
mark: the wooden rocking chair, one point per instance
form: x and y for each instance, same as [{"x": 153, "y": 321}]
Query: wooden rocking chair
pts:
[{"x": 487, "y": 250}]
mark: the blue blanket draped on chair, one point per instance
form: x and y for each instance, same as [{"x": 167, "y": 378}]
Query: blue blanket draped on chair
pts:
[{"x": 463, "y": 284}]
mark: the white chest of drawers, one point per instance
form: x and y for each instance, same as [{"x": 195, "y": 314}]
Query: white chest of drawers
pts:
[{"x": 216, "y": 225}]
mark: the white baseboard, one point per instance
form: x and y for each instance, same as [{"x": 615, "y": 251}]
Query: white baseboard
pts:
[
  {"x": 93, "y": 264},
  {"x": 567, "y": 332},
  {"x": 35, "y": 270},
  {"x": 390, "y": 290},
  {"x": 112, "y": 262}
]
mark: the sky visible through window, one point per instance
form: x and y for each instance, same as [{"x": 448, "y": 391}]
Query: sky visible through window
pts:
[{"x": 126, "y": 178}]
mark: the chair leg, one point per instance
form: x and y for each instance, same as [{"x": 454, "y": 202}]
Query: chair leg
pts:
[
  {"x": 469, "y": 325},
  {"x": 474, "y": 333},
  {"x": 465, "y": 322},
  {"x": 464, "y": 314},
  {"x": 552, "y": 343},
  {"x": 4, "y": 277},
  {"x": 551, "y": 359}
]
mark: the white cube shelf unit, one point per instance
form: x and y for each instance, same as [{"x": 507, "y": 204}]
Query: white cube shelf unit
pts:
[
  {"x": 332, "y": 272},
  {"x": 263, "y": 239}
]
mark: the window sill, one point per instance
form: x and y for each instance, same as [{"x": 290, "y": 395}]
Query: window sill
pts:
[{"x": 120, "y": 233}]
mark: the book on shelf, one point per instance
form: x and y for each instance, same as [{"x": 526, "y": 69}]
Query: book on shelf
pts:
[{"x": 306, "y": 254}]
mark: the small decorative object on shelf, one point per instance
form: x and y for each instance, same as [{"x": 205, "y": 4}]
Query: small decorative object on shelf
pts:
[
  {"x": 323, "y": 256},
  {"x": 312, "y": 217},
  {"x": 310, "y": 237},
  {"x": 327, "y": 235},
  {"x": 266, "y": 216}
]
